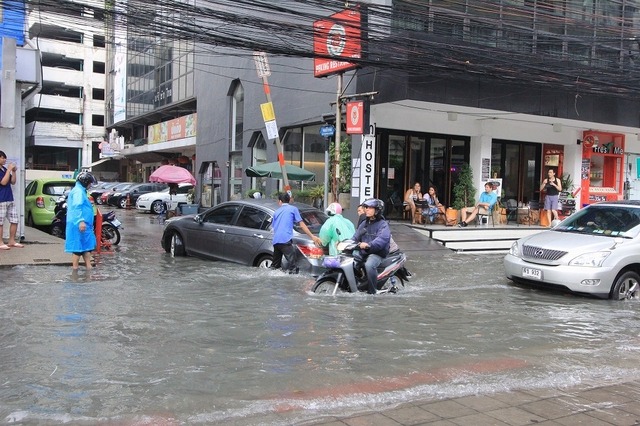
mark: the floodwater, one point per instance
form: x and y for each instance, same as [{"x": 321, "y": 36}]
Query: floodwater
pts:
[{"x": 148, "y": 339}]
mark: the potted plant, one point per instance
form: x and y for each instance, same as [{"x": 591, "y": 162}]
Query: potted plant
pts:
[
  {"x": 317, "y": 195},
  {"x": 464, "y": 191},
  {"x": 567, "y": 183}
]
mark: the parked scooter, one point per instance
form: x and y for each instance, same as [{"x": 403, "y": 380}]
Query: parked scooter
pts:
[
  {"x": 110, "y": 223},
  {"x": 346, "y": 274}
]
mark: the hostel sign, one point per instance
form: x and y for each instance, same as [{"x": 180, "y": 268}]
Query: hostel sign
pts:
[{"x": 336, "y": 41}]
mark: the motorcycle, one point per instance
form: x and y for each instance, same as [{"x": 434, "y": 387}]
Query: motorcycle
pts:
[
  {"x": 346, "y": 272},
  {"x": 110, "y": 223}
]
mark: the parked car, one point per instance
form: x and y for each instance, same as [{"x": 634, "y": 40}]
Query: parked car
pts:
[
  {"x": 119, "y": 198},
  {"x": 100, "y": 189},
  {"x": 119, "y": 187},
  {"x": 153, "y": 202},
  {"x": 240, "y": 231},
  {"x": 41, "y": 196},
  {"x": 595, "y": 251}
]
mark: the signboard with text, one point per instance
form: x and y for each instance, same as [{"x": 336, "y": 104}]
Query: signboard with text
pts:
[
  {"x": 355, "y": 118},
  {"x": 336, "y": 41}
]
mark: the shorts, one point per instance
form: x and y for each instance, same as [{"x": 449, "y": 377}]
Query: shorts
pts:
[
  {"x": 551, "y": 202},
  {"x": 8, "y": 211}
]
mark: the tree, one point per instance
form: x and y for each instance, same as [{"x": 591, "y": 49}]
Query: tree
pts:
[
  {"x": 464, "y": 191},
  {"x": 344, "y": 181}
]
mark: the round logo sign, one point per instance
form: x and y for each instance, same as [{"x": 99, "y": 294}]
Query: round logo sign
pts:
[
  {"x": 588, "y": 141},
  {"x": 354, "y": 115},
  {"x": 336, "y": 40}
]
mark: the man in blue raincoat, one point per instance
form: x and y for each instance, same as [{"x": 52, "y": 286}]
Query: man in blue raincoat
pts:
[{"x": 80, "y": 235}]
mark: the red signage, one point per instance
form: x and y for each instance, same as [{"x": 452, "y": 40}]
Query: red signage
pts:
[
  {"x": 355, "y": 114},
  {"x": 336, "y": 40}
]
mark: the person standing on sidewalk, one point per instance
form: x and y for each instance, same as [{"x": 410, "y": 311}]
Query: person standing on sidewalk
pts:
[
  {"x": 283, "y": 220},
  {"x": 81, "y": 238},
  {"x": 7, "y": 204},
  {"x": 552, "y": 186}
]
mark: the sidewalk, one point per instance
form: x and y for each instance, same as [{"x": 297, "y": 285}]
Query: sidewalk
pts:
[
  {"x": 40, "y": 248},
  {"x": 604, "y": 405}
]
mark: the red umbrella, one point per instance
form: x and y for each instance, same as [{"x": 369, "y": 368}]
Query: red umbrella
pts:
[{"x": 172, "y": 174}]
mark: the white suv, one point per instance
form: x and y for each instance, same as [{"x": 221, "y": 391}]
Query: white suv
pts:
[{"x": 153, "y": 202}]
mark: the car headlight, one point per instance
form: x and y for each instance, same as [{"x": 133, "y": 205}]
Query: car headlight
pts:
[
  {"x": 514, "y": 250},
  {"x": 590, "y": 259}
]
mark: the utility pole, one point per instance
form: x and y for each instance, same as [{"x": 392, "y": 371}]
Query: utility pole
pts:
[
  {"x": 268, "y": 113},
  {"x": 338, "y": 138}
]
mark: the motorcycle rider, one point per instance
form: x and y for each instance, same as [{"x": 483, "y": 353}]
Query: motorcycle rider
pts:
[
  {"x": 373, "y": 237},
  {"x": 337, "y": 228}
]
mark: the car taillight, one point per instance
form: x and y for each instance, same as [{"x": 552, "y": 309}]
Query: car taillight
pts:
[
  {"x": 311, "y": 251},
  {"x": 40, "y": 202}
]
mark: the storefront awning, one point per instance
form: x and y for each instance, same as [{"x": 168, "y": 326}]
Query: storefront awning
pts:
[{"x": 100, "y": 161}]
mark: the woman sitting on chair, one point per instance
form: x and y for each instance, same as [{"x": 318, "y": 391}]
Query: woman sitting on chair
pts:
[
  {"x": 434, "y": 207},
  {"x": 412, "y": 196}
]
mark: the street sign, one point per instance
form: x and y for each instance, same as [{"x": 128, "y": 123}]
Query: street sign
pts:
[
  {"x": 262, "y": 64},
  {"x": 327, "y": 131}
]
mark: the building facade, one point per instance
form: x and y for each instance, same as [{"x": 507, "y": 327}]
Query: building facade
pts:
[
  {"x": 512, "y": 87},
  {"x": 65, "y": 122}
]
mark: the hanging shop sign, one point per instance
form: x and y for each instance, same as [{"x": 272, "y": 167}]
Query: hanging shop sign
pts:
[
  {"x": 336, "y": 42},
  {"x": 355, "y": 118}
]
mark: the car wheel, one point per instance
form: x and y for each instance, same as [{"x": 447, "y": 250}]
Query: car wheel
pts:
[
  {"x": 98, "y": 199},
  {"x": 157, "y": 207},
  {"x": 264, "y": 262},
  {"x": 627, "y": 286},
  {"x": 177, "y": 246},
  {"x": 30, "y": 220},
  {"x": 122, "y": 203}
]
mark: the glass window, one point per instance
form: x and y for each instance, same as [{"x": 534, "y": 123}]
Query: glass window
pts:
[
  {"x": 223, "y": 215},
  {"x": 251, "y": 217},
  {"x": 237, "y": 118}
]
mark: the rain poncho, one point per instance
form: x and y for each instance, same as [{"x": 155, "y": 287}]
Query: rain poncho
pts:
[
  {"x": 79, "y": 209},
  {"x": 337, "y": 228}
]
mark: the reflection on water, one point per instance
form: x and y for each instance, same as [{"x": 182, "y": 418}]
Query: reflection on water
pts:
[{"x": 147, "y": 338}]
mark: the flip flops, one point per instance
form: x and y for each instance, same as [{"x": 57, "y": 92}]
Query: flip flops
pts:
[
  {"x": 4, "y": 247},
  {"x": 17, "y": 245}
]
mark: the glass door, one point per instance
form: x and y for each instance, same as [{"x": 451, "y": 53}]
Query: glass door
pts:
[{"x": 518, "y": 164}]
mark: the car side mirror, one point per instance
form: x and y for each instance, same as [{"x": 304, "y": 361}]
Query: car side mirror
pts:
[{"x": 197, "y": 218}]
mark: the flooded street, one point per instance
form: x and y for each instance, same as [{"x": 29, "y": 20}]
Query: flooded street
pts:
[{"x": 149, "y": 339}]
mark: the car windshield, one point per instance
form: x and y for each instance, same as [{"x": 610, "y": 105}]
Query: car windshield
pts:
[
  {"x": 606, "y": 220},
  {"x": 313, "y": 219}
]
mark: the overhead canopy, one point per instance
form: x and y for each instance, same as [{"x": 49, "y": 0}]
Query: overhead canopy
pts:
[
  {"x": 100, "y": 161},
  {"x": 172, "y": 174},
  {"x": 273, "y": 170}
]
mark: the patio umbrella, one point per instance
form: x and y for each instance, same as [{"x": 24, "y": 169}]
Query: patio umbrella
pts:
[
  {"x": 274, "y": 170},
  {"x": 172, "y": 174}
]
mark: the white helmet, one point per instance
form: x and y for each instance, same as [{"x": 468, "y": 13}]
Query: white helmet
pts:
[{"x": 333, "y": 209}]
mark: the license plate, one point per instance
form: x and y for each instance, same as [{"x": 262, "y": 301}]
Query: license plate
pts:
[
  {"x": 536, "y": 274},
  {"x": 116, "y": 222}
]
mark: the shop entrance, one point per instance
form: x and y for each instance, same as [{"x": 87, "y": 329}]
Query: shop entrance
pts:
[
  {"x": 406, "y": 158},
  {"x": 518, "y": 164}
]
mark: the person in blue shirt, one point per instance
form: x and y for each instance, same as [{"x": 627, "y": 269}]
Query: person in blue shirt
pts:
[
  {"x": 283, "y": 220},
  {"x": 374, "y": 238},
  {"x": 80, "y": 235},
  {"x": 484, "y": 206}
]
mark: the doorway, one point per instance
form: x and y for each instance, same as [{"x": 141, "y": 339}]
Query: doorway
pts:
[
  {"x": 406, "y": 158},
  {"x": 518, "y": 164}
]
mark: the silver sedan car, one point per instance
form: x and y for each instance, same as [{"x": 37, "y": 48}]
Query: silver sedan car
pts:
[{"x": 595, "y": 251}]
